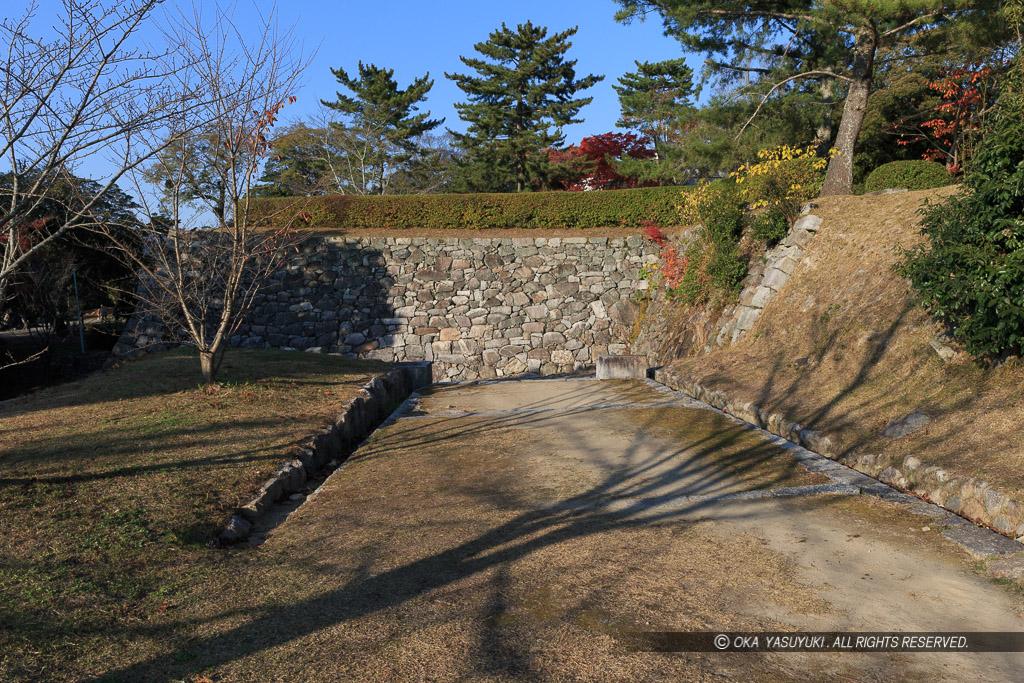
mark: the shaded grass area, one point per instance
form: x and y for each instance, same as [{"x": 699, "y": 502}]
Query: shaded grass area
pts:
[
  {"x": 112, "y": 487},
  {"x": 843, "y": 349},
  {"x": 61, "y": 360}
]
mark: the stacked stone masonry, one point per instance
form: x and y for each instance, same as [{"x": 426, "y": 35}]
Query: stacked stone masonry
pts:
[
  {"x": 972, "y": 498},
  {"x": 781, "y": 262},
  {"x": 478, "y": 308}
]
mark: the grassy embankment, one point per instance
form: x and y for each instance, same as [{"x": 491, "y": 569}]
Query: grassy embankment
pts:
[{"x": 844, "y": 350}]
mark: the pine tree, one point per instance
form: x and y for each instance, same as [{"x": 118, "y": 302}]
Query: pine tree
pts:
[
  {"x": 518, "y": 103},
  {"x": 655, "y": 98},
  {"x": 773, "y": 46},
  {"x": 380, "y": 125},
  {"x": 655, "y": 101}
]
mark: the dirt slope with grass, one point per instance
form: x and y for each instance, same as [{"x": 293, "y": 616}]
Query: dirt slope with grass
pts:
[{"x": 842, "y": 349}]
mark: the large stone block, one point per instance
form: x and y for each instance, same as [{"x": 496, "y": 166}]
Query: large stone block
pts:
[
  {"x": 450, "y": 334},
  {"x": 775, "y": 279},
  {"x": 622, "y": 367}
]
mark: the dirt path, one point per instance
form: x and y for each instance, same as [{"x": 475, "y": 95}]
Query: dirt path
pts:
[{"x": 509, "y": 530}]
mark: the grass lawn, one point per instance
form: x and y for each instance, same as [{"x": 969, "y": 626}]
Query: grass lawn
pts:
[{"x": 112, "y": 487}]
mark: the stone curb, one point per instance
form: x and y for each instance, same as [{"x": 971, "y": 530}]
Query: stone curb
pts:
[
  {"x": 359, "y": 417},
  {"x": 819, "y": 453}
]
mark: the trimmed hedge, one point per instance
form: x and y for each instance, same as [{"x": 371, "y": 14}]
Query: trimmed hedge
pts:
[
  {"x": 913, "y": 175},
  {"x": 602, "y": 208}
]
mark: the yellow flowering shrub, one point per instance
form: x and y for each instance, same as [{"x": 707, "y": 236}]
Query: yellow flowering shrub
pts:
[
  {"x": 784, "y": 179},
  {"x": 773, "y": 189}
]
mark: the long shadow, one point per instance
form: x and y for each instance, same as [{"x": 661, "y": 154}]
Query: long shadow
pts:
[
  {"x": 827, "y": 415},
  {"x": 237, "y": 457},
  {"x": 530, "y": 530},
  {"x": 538, "y": 414}
]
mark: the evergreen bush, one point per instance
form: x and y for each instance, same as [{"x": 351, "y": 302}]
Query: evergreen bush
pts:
[
  {"x": 970, "y": 271},
  {"x": 715, "y": 263},
  {"x": 913, "y": 175},
  {"x": 771, "y": 225},
  {"x": 604, "y": 208}
]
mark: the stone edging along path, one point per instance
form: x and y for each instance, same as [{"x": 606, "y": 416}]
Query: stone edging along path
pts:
[
  {"x": 359, "y": 416},
  {"x": 971, "y": 498}
]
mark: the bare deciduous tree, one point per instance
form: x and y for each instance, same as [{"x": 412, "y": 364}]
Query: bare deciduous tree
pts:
[
  {"x": 86, "y": 92},
  {"x": 201, "y": 280}
]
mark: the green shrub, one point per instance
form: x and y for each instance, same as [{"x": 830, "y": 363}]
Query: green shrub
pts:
[
  {"x": 714, "y": 264},
  {"x": 726, "y": 267},
  {"x": 604, "y": 208},
  {"x": 913, "y": 175},
  {"x": 771, "y": 225},
  {"x": 970, "y": 271}
]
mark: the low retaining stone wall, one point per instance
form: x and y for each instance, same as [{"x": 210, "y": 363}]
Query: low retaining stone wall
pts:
[
  {"x": 359, "y": 416},
  {"x": 477, "y": 308},
  {"x": 969, "y": 497},
  {"x": 781, "y": 262}
]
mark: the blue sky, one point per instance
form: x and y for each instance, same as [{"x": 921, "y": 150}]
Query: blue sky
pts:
[{"x": 414, "y": 37}]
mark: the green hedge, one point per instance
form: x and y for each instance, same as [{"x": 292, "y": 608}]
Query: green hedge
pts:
[
  {"x": 913, "y": 175},
  {"x": 603, "y": 208}
]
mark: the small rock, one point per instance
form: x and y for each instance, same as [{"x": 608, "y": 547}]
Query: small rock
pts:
[
  {"x": 1011, "y": 568},
  {"x": 908, "y": 424},
  {"x": 810, "y": 223},
  {"x": 926, "y": 528},
  {"x": 297, "y": 496},
  {"x": 993, "y": 500},
  {"x": 1003, "y": 526},
  {"x": 236, "y": 530},
  {"x": 945, "y": 352},
  {"x": 892, "y": 477}
]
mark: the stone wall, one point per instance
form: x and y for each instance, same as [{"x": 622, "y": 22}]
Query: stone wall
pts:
[
  {"x": 475, "y": 307},
  {"x": 780, "y": 263}
]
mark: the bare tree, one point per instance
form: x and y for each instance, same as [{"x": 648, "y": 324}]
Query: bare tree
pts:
[
  {"x": 87, "y": 92},
  {"x": 201, "y": 280}
]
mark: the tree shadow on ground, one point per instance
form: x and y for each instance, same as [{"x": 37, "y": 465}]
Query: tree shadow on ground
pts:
[
  {"x": 647, "y": 486},
  {"x": 837, "y": 413}
]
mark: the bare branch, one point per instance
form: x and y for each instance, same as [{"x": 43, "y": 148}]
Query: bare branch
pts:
[
  {"x": 909, "y": 24},
  {"x": 806, "y": 74},
  {"x": 731, "y": 67}
]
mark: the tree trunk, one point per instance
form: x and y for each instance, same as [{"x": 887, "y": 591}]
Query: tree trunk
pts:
[
  {"x": 823, "y": 133},
  {"x": 839, "y": 177},
  {"x": 209, "y": 362}
]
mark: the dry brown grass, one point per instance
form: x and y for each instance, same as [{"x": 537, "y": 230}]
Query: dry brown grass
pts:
[
  {"x": 111, "y": 489},
  {"x": 868, "y": 354},
  {"x": 432, "y": 556}
]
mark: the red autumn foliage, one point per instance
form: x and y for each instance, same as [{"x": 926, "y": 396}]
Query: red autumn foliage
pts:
[
  {"x": 654, "y": 233},
  {"x": 672, "y": 266},
  {"x": 594, "y": 154},
  {"x": 961, "y": 113},
  {"x": 27, "y": 235}
]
